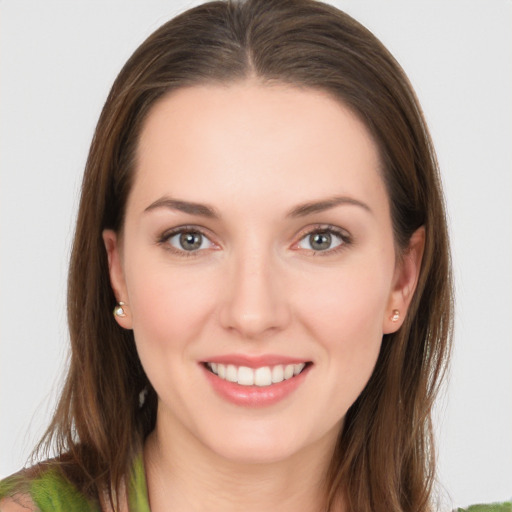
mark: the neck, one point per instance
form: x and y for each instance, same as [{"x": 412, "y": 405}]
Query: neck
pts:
[{"x": 193, "y": 478}]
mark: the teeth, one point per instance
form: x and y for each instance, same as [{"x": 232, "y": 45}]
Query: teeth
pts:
[
  {"x": 245, "y": 376},
  {"x": 288, "y": 371},
  {"x": 297, "y": 368},
  {"x": 277, "y": 374},
  {"x": 263, "y": 376},
  {"x": 231, "y": 373}
]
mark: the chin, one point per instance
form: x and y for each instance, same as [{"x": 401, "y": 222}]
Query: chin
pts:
[
  {"x": 268, "y": 445},
  {"x": 252, "y": 453}
]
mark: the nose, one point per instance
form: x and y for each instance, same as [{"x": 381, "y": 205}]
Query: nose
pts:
[{"x": 255, "y": 302}]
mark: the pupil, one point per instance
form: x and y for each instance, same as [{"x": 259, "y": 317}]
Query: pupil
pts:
[
  {"x": 320, "y": 241},
  {"x": 190, "y": 241}
]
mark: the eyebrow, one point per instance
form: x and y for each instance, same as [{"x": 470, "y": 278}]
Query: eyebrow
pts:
[
  {"x": 326, "y": 204},
  {"x": 191, "y": 208},
  {"x": 301, "y": 210}
]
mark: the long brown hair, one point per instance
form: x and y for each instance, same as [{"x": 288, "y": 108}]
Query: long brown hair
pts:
[{"x": 384, "y": 459}]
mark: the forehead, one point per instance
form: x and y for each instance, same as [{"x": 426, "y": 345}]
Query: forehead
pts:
[{"x": 254, "y": 140}]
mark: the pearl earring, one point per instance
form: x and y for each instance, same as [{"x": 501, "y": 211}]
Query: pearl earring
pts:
[
  {"x": 395, "y": 316},
  {"x": 119, "y": 311}
]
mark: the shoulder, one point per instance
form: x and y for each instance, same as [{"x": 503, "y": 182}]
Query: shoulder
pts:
[
  {"x": 494, "y": 507},
  {"x": 14, "y": 494},
  {"x": 42, "y": 489},
  {"x": 17, "y": 503}
]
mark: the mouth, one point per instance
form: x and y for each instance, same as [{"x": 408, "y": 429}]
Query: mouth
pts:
[{"x": 263, "y": 376}]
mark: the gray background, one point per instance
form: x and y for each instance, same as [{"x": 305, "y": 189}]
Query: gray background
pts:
[{"x": 57, "y": 62}]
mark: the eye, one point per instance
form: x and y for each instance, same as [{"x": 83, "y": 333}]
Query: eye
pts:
[
  {"x": 188, "y": 240},
  {"x": 322, "y": 240}
]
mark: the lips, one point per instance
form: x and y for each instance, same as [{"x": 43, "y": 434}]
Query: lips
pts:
[{"x": 255, "y": 381}]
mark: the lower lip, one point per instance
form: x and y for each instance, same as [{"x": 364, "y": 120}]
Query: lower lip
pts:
[{"x": 255, "y": 396}]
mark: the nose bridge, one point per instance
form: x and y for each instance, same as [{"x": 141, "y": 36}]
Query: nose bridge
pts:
[{"x": 255, "y": 302}]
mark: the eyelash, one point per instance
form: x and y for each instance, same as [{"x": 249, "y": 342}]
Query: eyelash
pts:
[{"x": 345, "y": 238}]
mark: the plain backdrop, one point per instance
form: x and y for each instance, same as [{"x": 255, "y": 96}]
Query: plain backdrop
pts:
[{"x": 57, "y": 62}]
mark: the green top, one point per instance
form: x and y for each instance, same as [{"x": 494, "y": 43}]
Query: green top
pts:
[
  {"x": 495, "y": 507},
  {"x": 51, "y": 492}
]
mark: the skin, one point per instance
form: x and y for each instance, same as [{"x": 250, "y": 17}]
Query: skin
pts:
[{"x": 253, "y": 153}]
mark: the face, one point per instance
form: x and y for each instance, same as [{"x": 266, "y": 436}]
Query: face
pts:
[{"x": 258, "y": 266}]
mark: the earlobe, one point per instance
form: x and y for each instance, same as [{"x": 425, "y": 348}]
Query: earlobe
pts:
[
  {"x": 405, "y": 281},
  {"x": 117, "y": 281}
]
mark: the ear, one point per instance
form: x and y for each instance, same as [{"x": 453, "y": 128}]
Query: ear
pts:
[
  {"x": 117, "y": 280},
  {"x": 406, "y": 276}
]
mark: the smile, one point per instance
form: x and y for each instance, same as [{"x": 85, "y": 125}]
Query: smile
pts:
[{"x": 262, "y": 376}]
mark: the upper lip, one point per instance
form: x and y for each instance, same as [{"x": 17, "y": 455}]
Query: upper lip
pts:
[{"x": 255, "y": 361}]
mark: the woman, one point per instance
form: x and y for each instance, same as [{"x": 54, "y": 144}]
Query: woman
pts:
[{"x": 261, "y": 207}]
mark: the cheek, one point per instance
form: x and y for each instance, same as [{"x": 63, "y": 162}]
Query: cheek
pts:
[
  {"x": 347, "y": 303},
  {"x": 169, "y": 306},
  {"x": 344, "y": 315}
]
